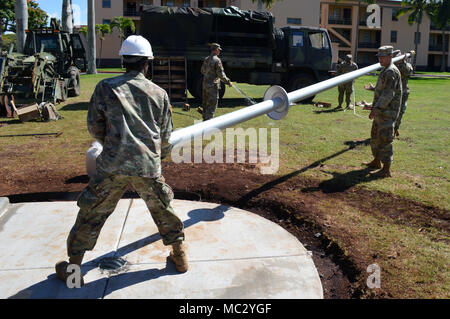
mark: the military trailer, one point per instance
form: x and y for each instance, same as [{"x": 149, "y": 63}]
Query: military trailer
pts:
[
  {"x": 254, "y": 51},
  {"x": 47, "y": 70}
]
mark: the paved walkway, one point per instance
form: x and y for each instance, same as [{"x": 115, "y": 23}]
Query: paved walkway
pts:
[{"x": 233, "y": 254}]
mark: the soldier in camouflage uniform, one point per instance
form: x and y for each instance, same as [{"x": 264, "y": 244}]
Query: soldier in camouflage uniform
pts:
[
  {"x": 131, "y": 117},
  {"x": 386, "y": 107},
  {"x": 213, "y": 72},
  {"x": 406, "y": 70},
  {"x": 344, "y": 67}
]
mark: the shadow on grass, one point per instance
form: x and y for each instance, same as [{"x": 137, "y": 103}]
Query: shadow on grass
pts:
[
  {"x": 80, "y": 106},
  {"x": 254, "y": 193},
  {"x": 12, "y": 122},
  {"x": 329, "y": 111},
  {"x": 343, "y": 181},
  {"x": 226, "y": 102}
]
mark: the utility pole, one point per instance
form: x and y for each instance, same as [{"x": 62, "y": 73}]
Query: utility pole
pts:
[
  {"x": 67, "y": 16},
  {"x": 92, "y": 68},
  {"x": 21, "y": 10}
]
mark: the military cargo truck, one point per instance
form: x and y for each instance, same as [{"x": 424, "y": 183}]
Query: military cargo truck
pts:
[{"x": 254, "y": 51}]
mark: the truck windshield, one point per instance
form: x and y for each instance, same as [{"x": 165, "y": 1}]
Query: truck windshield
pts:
[
  {"x": 49, "y": 41},
  {"x": 318, "y": 40}
]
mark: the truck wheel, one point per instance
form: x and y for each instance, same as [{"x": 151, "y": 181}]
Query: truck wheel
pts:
[
  {"x": 300, "y": 81},
  {"x": 195, "y": 88},
  {"x": 74, "y": 82},
  {"x": 222, "y": 90}
]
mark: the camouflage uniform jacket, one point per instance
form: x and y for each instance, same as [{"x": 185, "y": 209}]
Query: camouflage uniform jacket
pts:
[
  {"x": 344, "y": 67},
  {"x": 388, "y": 93},
  {"x": 213, "y": 72},
  {"x": 131, "y": 117},
  {"x": 405, "y": 69}
]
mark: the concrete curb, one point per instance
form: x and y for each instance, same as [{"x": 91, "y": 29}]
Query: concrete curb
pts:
[{"x": 4, "y": 205}]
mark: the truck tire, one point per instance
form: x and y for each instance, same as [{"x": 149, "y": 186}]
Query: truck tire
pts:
[
  {"x": 196, "y": 88},
  {"x": 300, "y": 81},
  {"x": 74, "y": 81}
]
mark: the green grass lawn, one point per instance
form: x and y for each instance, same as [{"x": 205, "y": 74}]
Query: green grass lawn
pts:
[{"x": 309, "y": 134}]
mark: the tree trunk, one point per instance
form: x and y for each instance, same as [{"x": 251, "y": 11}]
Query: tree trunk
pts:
[
  {"x": 21, "y": 11},
  {"x": 416, "y": 44},
  {"x": 100, "y": 57},
  {"x": 92, "y": 69},
  {"x": 443, "y": 50},
  {"x": 67, "y": 16}
]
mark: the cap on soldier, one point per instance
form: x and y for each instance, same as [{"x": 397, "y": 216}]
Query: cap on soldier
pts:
[
  {"x": 215, "y": 46},
  {"x": 385, "y": 50},
  {"x": 396, "y": 53},
  {"x": 348, "y": 57}
]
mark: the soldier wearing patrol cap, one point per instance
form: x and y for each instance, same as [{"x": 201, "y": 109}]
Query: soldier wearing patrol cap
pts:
[
  {"x": 406, "y": 70},
  {"x": 385, "y": 109},
  {"x": 344, "y": 67},
  {"x": 213, "y": 73},
  {"x": 130, "y": 116}
]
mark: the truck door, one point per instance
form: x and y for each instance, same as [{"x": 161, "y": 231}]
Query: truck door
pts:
[
  {"x": 79, "y": 54},
  {"x": 297, "y": 52},
  {"x": 319, "y": 53}
]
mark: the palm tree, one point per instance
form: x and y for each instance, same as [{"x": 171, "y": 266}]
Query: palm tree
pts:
[
  {"x": 267, "y": 3},
  {"x": 21, "y": 10},
  {"x": 92, "y": 68},
  {"x": 416, "y": 9},
  {"x": 102, "y": 31},
  {"x": 123, "y": 25},
  {"x": 67, "y": 16},
  {"x": 441, "y": 20}
]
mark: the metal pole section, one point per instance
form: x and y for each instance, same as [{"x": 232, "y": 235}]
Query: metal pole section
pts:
[{"x": 276, "y": 105}]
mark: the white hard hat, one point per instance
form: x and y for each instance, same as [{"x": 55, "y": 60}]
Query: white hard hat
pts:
[{"x": 136, "y": 45}]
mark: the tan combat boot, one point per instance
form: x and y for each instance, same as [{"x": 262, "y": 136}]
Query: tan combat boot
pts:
[
  {"x": 178, "y": 256},
  {"x": 61, "y": 268},
  {"x": 375, "y": 164},
  {"x": 384, "y": 172}
]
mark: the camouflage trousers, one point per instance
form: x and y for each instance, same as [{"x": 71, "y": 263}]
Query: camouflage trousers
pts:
[
  {"x": 381, "y": 138},
  {"x": 210, "y": 97},
  {"x": 99, "y": 199},
  {"x": 348, "y": 90},
  {"x": 402, "y": 111}
]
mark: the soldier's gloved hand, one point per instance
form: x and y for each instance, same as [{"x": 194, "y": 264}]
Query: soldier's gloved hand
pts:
[
  {"x": 372, "y": 114},
  {"x": 230, "y": 84}
]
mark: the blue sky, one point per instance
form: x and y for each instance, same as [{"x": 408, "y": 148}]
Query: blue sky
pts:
[{"x": 54, "y": 7}]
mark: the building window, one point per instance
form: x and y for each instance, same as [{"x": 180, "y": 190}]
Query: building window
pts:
[
  {"x": 393, "y": 36},
  {"x": 106, "y": 4},
  {"x": 169, "y": 3},
  {"x": 106, "y": 21},
  {"x": 186, "y": 3},
  {"x": 294, "y": 20},
  {"x": 394, "y": 14},
  {"x": 417, "y": 37}
]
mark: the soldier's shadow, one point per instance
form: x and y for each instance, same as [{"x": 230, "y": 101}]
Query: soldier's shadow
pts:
[{"x": 53, "y": 288}]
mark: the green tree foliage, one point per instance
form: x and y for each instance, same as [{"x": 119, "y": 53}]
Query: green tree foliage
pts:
[
  {"x": 102, "y": 30},
  {"x": 267, "y": 3},
  {"x": 37, "y": 18},
  {"x": 123, "y": 26},
  {"x": 441, "y": 20},
  {"x": 416, "y": 10}
]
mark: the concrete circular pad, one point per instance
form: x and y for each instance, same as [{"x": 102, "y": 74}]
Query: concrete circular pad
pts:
[{"x": 232, "y": 254}]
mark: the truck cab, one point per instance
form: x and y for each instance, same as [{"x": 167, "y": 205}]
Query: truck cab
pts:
[{"x": 307, "y": 56}]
